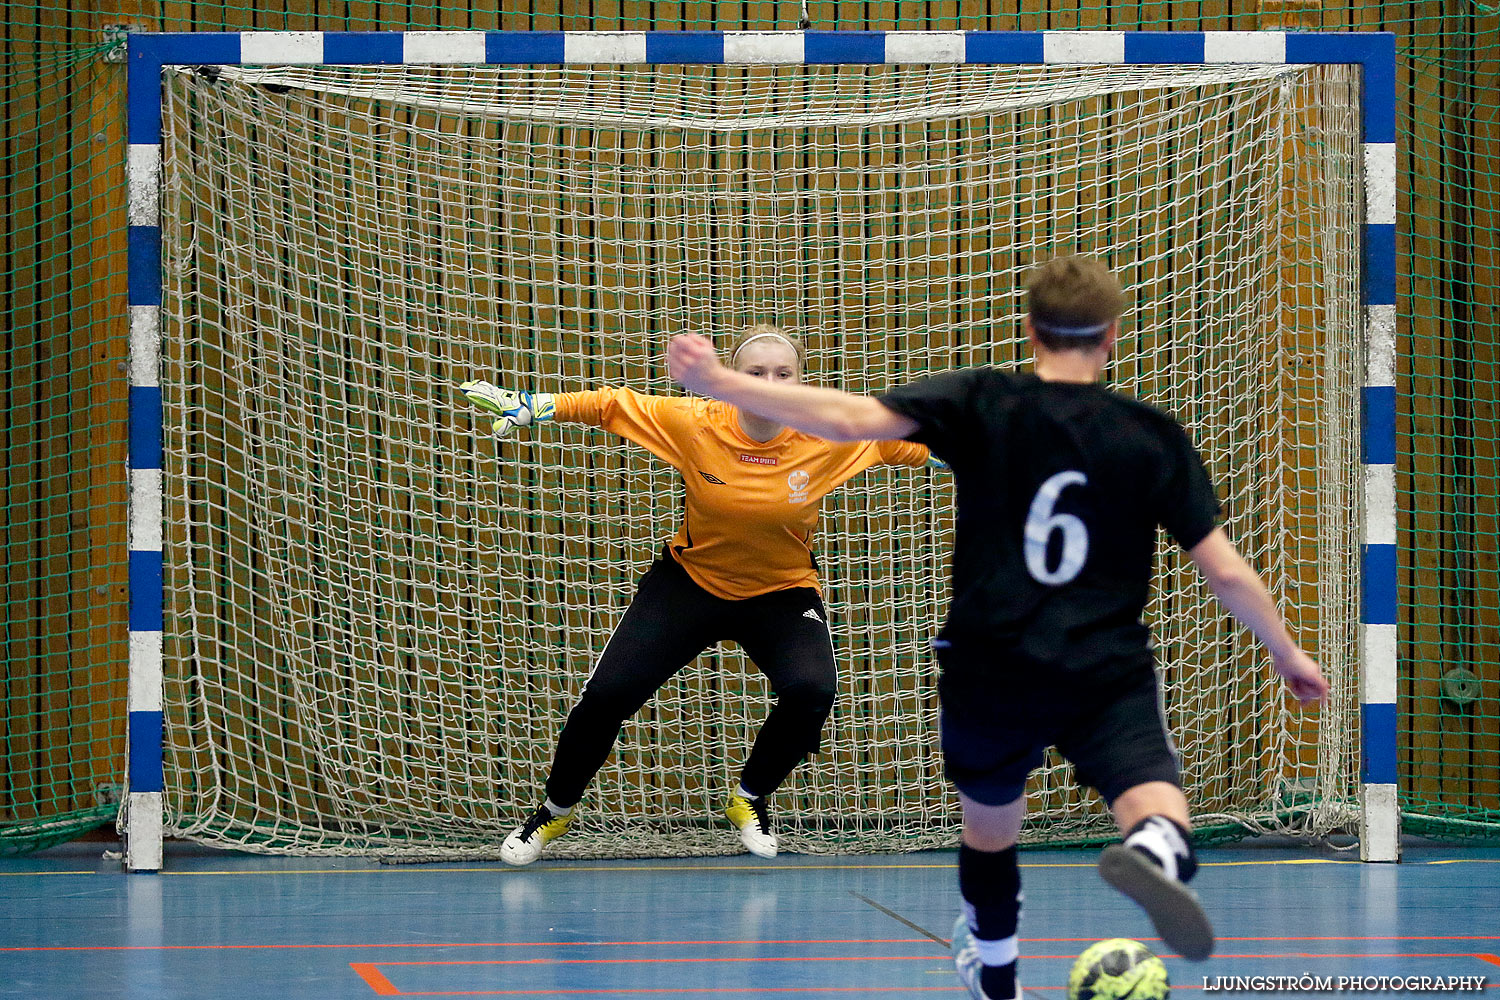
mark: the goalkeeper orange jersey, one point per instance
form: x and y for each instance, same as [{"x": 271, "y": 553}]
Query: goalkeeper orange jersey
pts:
[{"x": 752, "y": 505}]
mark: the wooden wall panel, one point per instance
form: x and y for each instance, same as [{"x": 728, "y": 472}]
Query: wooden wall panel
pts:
[
  {"x": 1482, "y": 717},
  {"x": 22, "y": 475}
]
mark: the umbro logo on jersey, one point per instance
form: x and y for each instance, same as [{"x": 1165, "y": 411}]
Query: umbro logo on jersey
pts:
[
  {"x": 711, "y": 477},
  {"x": 813, "y": 614}
]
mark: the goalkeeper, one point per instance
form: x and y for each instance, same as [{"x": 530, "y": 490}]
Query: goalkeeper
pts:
[{"x": 740, "y": 567}]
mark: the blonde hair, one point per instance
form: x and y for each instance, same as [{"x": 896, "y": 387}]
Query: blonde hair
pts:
[{"x": 759, "y": 331}]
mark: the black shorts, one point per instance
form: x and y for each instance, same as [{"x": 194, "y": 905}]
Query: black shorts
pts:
[
  {"x": 1114, "y": 737},
  {"x": 671, "y": 619}
]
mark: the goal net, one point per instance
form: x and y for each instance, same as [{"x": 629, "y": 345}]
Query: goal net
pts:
[{"x": 378, "y": 616}]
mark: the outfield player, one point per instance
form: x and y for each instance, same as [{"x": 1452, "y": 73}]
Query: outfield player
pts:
[
  {"x": 740, "y": 568},
  {"x": 1061, "y": 485}
]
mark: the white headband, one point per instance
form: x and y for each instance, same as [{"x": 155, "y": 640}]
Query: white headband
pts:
[{"x": 735, "y": 357}]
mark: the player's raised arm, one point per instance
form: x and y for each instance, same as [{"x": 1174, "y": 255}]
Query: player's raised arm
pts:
[
  {"x": 1235, "y": 583},
  {"x": 827, "y": 413}
]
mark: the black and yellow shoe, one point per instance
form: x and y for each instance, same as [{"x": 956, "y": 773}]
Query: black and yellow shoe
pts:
[
  {"x": 525, "y": 845},
  {"x": 753, "y": 818}
]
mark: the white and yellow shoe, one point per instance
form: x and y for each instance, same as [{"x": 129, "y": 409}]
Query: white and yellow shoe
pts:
[
  {"x": 753, "y": 818},
  {"x": 525, "y": 845}
]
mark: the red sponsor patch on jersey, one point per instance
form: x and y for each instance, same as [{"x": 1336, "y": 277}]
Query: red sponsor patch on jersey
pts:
[{"x": 759, "y": 459}]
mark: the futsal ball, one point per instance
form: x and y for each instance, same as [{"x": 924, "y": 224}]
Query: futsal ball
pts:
[{"x": 1118, "y": 969}]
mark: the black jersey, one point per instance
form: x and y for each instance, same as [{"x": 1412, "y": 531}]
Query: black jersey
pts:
[{"x": 1060, "y": 489}]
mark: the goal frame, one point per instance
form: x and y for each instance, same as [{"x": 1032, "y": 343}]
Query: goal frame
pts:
[{"x": 1374, "y": 52}]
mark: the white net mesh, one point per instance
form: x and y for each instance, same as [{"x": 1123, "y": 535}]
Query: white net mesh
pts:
[{"x": 377, "y": 620}]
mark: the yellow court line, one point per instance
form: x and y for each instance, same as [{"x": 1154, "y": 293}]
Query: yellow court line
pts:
[
  {"x": 498, "y": 867},
  {"x": 13, "y": 874},
  {"x": 509, "y": 870}
]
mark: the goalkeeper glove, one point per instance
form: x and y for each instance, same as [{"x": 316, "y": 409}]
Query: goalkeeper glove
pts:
[{"x": 512, "y": 409}]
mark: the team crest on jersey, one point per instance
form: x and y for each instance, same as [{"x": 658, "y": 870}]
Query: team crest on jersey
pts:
[
  {"x": 759, "y": 459},
  {"x": 711, "y": 477},
  {"x": 797, "y": 483}
]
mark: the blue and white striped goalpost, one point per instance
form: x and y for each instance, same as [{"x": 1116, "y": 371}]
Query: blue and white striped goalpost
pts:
[{"x": 1374, "y": 53}]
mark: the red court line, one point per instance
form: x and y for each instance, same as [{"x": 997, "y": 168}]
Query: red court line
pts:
[
  {"x": 1176, "y": 987},
  {"x": 377, "y": 981},
  {"x": 482, "y": 944},
  {"x": 1349, "y": 955},
  {"x": 1332, "y": 937},
  {"x": 647, "y": 944},
  {"x": 384, "y": 987},
  {"x": 728, "y": 990},
  {"x": 931, "y": 956},
  {"x": 679, "y": 991}
]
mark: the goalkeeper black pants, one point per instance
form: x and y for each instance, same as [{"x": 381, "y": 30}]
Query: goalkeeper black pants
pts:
[{"x": 669, "y": 622}]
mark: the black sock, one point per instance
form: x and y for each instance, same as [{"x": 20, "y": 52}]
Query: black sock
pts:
[
  {"x": 990, "y": 882},
  {"x": 1167, "y": 843}
]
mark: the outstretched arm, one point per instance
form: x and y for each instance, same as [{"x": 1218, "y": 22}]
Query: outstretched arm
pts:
[
  {"x": 657, "y": 423},
  {"x": 1240, "y": 588},
  {"x": 827, "y": 413}
]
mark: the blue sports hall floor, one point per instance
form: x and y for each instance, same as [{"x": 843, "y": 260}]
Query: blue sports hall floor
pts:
[{"x": 220, "y": 925}]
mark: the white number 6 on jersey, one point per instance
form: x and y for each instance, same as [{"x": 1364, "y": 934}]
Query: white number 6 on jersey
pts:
[{"x": 1041, "y": 523}]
